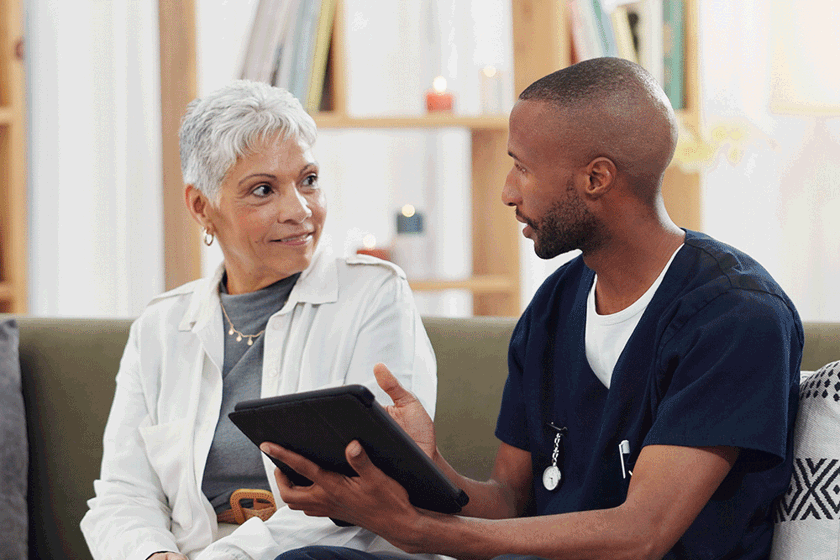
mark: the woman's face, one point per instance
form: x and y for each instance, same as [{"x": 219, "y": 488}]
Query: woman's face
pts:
[{"x": 270, "y": 215}]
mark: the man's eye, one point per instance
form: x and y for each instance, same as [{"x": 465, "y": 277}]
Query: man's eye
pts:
[{"x": 311, "y": 181}]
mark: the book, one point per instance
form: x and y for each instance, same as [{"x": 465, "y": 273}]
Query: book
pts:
[
  {"x": 585, "y": 34},
  {"x": 673, "y": 36},
  {"x": 319, "y": 56},
  {"x": 645, "y": 19},
  {"x": 304, "y": 44},
  {"x": 279, "y": 19},
  {"x": 605, "y": 32},
  {"x": 625, "y": 46},
  {"x": 285, "y": 52},
  {"x": 257, "y": 46}
]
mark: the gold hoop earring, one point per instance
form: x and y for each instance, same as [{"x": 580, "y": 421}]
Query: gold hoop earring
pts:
[{"x": 208, "y": 237}]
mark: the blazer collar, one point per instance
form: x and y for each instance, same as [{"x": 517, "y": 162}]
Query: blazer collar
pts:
[{"x": 317, "y": 284}]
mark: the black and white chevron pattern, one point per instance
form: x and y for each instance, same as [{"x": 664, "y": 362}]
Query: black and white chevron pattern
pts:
[{"x": 814, "y": 491}]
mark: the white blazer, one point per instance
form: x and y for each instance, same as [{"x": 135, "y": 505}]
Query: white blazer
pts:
[{"x": 342, "y": 317}]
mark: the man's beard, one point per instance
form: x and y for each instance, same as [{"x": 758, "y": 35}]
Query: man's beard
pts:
[{"x": 567, "y": 226}]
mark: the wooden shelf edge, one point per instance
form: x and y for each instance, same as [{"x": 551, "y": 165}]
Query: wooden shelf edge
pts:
[
  {"x": 484, "y": 284},
  {"x": 489, "y": 122}
]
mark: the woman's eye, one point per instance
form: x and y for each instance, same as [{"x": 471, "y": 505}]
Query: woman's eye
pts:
[
  {"x": 262, "y": 190},
  {"x": 311, "y": 181}
]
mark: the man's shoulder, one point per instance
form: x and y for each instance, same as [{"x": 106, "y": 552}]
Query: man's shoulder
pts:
[
  {"x": 714, "y": 275},
  {"x": 715, "y": 265}
]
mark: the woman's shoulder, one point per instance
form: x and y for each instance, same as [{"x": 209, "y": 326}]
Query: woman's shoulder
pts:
[
  {"x": 366, "y": 264},
  {"x": 175, "y": 301},
  {"x": 181, "y": 292},
  {"x": 364, "y": 270}
]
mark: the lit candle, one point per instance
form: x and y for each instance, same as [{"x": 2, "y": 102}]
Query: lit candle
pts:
[
  {"x": 491, "y": 90},
  {"x": 369, "y": 248},
  {"x": 437, "y": 98}
]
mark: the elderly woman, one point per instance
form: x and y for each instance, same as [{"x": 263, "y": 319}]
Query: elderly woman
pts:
[{"x": 279, "y": 316}]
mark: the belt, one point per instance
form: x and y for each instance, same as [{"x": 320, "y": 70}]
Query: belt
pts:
[{"x": 263, "y": 506}]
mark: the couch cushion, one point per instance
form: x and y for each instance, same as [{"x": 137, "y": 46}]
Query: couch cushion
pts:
[
  {"x": 808, "y": 515},
  {"x": 13, "y": 447}
]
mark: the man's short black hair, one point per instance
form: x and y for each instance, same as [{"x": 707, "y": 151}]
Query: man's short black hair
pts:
[{"x": 590, "y": 79}]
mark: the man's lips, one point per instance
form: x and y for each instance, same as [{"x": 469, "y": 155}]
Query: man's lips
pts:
[
  {"x": 529, "y": 225},
  {"x": 522, "y": 219}
]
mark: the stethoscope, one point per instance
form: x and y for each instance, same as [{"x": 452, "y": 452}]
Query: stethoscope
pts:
[{"x": 552, "y": 476}]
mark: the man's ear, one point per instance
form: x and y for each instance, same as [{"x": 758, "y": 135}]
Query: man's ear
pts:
[
  {"x": 601, "y": 173},
  {"x": 197, "y": 205}
]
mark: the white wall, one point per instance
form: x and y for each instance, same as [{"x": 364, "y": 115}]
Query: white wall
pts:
[
  {"x": 94, "y": 157},
  {"x": 773, "y": 187}
]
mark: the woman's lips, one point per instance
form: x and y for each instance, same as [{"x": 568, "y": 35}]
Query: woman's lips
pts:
[{"x": 299, "y": 239}]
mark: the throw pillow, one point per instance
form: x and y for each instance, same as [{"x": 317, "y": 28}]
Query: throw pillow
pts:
[
  {"x": 14, "y": 456},
  {"x": 807, "y": 517}
]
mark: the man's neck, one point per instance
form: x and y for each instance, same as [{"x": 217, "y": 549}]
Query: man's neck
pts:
[{"x": 628, "y": 265}]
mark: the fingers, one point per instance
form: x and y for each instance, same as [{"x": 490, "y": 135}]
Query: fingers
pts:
[
  {"x": 296, "y": 462},
  {"x": 359, "y": 460},
  {"x": 391, "y": 386}
]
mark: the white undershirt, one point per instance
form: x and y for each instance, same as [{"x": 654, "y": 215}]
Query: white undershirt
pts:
[{"x": 606, "y": 335}]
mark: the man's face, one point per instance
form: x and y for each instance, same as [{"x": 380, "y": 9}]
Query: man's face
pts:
[{"x": 543, "y": 184}]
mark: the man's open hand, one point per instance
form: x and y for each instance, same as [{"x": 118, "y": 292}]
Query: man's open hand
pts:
[{"x": 407, "y": 411}]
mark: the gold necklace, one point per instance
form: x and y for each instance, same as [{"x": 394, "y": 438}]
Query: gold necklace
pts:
[{"x": 239, "y": 335}]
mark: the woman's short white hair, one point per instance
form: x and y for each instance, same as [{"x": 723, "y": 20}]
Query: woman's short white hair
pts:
[{"x": 231, "y": 123}]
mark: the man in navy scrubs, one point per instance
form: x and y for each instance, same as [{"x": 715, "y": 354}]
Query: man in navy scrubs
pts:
[{"x": 652, "y": 382}]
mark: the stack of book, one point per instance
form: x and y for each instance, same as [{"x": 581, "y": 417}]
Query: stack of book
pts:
[
  {"x": 650, "y": 32},
  {"x": 289, "y": 45}
]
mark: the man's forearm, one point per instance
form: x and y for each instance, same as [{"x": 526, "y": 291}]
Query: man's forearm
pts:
[
  {"x": 615, "y": 534},
  {"x": 505, "y": 495},
  {"x": 488, "y": 500}
]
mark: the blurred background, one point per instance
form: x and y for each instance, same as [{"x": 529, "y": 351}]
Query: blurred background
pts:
[{"x": 765, "y": 137}]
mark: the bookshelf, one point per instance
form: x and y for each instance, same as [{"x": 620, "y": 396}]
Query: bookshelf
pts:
[
  {"x": 541, "y": 44},
  {"x": 12, "y": 161}
]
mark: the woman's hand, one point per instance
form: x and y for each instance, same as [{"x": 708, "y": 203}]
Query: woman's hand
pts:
[
  {"x": 167, "y": 556},
  {"x": 407, "y": 411}
]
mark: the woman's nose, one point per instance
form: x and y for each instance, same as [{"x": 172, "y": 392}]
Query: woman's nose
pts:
[{"x": 293, "y": 206}]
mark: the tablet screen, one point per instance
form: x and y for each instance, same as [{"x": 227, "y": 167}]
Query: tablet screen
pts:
[{"x": 320, "y": 424}]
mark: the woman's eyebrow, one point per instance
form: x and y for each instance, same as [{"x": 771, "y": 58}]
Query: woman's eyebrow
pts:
[{"x": 252, "y": 175}]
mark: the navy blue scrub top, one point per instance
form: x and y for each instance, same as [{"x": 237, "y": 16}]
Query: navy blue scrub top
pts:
[{"x": 713, "y": 361}]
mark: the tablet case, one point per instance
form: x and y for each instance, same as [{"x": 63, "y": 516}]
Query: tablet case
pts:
[{"x": 320, "y": 424}]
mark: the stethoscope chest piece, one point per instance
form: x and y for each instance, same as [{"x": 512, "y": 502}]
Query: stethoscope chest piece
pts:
[{"x": 551, "y": 477}]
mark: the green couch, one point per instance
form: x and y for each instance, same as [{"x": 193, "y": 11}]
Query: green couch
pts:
[{"x": 68, "y": 368}]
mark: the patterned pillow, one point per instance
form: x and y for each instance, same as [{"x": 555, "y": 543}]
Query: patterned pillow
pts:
[
  {"x": 14, "y": 456},
  {"x": 807, "y": 517}
]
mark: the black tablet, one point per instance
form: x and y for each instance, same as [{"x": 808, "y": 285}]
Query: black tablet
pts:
[{"x": 320, "y": 424}]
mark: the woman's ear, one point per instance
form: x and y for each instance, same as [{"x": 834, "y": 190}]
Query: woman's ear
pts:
[{"x": 197, "y": 205}]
